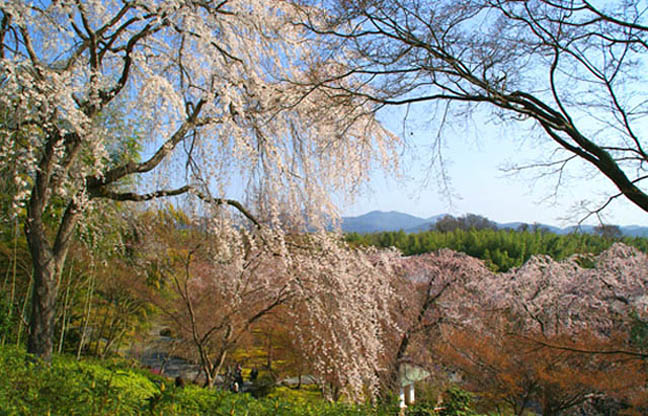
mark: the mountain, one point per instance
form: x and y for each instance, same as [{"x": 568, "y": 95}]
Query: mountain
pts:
[
  {"x": 378, "y": 221},
  {"x": 425, "y": 226}
]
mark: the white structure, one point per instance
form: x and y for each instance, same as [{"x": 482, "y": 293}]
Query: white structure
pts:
[{"x": 409, "y": 374}]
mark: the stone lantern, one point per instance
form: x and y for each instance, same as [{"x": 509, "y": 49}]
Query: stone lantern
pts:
[{"x": 409, "y": 374}]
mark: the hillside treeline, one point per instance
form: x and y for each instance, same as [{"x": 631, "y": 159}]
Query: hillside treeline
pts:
[{"x": 499, "y": 249}]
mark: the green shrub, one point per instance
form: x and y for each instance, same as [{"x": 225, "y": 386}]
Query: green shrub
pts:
[
  {"x": 92, "y": 387},
  {"x": 68, "y": 387},
  {"x": 421, "y": 409},
  {"x": 263, "y": 386},
  {"x": 457, "y": 402}
]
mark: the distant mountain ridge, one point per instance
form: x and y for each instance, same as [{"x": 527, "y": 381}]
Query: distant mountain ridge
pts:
[{"x": 379, "y": 221}]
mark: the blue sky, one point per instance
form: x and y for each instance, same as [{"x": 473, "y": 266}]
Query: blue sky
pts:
[{"x": 475, "y": 152}]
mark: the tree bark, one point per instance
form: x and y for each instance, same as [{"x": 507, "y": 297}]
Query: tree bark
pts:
[
  {"x": 47, "y": 260},
  {"x": 43, "y": 305}
]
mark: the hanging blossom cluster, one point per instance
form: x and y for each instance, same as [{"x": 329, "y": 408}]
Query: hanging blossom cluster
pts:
[
  {"x": 218, "y": 93},
  {"x": 342, "y": 313},
  {"x": 31, "y": 103}
]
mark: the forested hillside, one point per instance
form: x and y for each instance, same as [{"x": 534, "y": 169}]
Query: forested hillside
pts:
[{"x": 499, "y": 249}]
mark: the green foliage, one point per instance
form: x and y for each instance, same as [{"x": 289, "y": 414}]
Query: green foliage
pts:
[
  {"x": 8, "y": 318},
  {"x": 71, "y": 387},
  {"x": 194, "y": 400},
  {"x": 466, "y": 222},
  {"x": 308, "y": 393},
  {"x": 421, "y": 409},
  {"x": 68, "y": 387},
  {"x": 639, "y": 332},
  {"x": 501, "y": 250},
  {"x": 457, "y": 402}
]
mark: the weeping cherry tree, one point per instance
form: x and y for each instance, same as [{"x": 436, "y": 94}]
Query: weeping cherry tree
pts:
[{"x": 204, "y": 82}]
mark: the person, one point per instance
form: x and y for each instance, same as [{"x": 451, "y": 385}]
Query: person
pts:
[
  {"x": 238, "y": 376},
  {"x": 254, "y": 374}
]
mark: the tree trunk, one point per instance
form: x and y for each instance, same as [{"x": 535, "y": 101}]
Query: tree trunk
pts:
[
  {"x": 43, "y": 307},
  {"x": 47, "y": 261},
  {"x": 212, "y": 370}
]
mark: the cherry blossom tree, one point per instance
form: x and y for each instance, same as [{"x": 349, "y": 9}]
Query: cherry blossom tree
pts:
[
  {"x": 551, "y": 297},
  {"x": 202, "y": 87},
  {"x": 209, "y": 295},
  {"x": 434, "y": 290},
  {"x": 557, "y": 333},
  {"x": 341, "y": 311},
  {"x": 214, "y": 292}
]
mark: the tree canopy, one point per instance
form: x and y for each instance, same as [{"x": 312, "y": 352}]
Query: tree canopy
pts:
[{"x": 204, "y": 92}]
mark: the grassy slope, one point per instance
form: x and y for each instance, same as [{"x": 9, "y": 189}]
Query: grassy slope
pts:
[{"x": 87, "y": 387}]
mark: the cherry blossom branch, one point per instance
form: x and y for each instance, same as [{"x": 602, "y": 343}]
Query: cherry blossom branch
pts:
[
  {"x": 132, "y": 196},
  {"x": 115, "y": 174}
]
